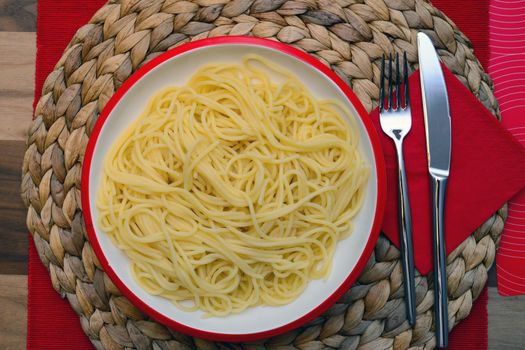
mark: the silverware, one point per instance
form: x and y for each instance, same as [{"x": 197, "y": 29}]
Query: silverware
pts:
[
  {"x": 437, "y": 126},
  {"x": 396, "y": 122}
]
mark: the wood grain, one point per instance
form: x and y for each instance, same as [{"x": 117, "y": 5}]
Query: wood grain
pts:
[
  {"x": 506, "y": 321},
  {"x": 18, "y": 15},
  {"x": 17, "y": 69},
  {"x": 13, "y": 312},
  {"x": 13, "y": 231},
  {"x": 17, "y": 58}
]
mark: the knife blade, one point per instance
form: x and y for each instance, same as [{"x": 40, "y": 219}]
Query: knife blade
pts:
[
  {"x": 435, "y": 107},
  {"x": 438, "y": 134}
]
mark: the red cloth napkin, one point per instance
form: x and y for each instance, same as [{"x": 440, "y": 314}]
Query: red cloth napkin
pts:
[
  {"x": 52, "y": 324},
  {"x": 507, "y": 67},
  {"x": 487, "y": 168}
]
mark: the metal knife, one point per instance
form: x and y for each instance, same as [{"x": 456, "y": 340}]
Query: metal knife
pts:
[{"x": 437, "y": 126}]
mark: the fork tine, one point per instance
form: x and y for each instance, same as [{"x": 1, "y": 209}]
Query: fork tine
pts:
[
  {"x": 405, "y": 78},
  {"x": 390, "y": 86},
  {"x": 382, "y": 86},
  {"x": 398, "y": 84}
]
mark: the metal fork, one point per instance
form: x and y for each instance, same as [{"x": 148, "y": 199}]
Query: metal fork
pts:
[{"x": 396, "y": 122}]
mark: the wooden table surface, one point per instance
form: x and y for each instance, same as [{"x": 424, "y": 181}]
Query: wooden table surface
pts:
[{"x": 17, "y": 67}]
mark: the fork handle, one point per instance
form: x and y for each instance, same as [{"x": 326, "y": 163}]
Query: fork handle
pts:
[
  {"x": 439, "y": 185},
  {"x": 405, "y": 232}
]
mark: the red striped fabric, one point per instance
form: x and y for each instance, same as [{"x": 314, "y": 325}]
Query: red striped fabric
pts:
[{"x": 507, "y": 68}]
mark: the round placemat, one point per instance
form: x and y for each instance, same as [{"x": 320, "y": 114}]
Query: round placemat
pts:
[{"x": 348, "y": 35}]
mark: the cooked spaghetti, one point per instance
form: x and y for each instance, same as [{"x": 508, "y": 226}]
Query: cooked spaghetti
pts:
[{"x": 233, "y": 190}]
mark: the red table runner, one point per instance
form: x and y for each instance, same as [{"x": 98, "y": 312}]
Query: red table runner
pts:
[{"x": 52, "y": 324}]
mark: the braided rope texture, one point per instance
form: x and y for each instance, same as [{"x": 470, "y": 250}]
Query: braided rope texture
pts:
[{"x": 350, "y": 36}]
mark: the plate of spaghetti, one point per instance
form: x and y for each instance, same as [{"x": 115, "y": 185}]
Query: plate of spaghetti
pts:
[{"x": 233, "y": 188}]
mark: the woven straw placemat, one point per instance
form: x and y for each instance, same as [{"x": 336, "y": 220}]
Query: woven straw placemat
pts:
[{"x": 348, "y": 35}]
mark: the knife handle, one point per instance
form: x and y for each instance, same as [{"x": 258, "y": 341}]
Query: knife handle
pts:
[
  {"x": 439, "y": 185},
  {"x": 405, "y": 239}
]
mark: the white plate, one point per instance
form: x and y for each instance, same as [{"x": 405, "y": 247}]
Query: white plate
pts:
[{"x": 174, "y": 68}]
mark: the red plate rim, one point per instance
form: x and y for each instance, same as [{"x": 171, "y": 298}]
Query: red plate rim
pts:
[{"x": 380, "y": 170}]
